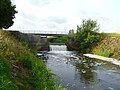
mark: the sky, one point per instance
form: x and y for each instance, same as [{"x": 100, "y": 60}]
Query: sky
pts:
[{"x": 63, "y": 15}]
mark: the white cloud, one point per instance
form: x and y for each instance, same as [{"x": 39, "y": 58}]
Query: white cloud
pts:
[{"x": 66, "y": 14}]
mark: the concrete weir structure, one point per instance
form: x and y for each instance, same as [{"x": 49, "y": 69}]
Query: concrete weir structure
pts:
[
  {"x": 37, "y": 41},
  {"x": 111, "y": 60}
]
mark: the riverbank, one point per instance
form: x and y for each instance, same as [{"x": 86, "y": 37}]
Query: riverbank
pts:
[
  {"x": 108, "y": 46},
  {"x": 107, "y": 49},
  {"x": 20, "y": 68}
]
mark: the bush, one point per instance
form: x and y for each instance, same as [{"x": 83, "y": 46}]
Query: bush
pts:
[{"x": 87, "y": 35}]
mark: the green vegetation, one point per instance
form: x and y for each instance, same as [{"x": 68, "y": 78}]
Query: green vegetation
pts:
[
  {"x": 71, "y": 33},
  {"x": 110, "y": 42},
  {"x": 62, "y": 39},
  {"x": 105, "y": 52},
  {"x": 7, "y": 14},
  {"x": 87, "y": 35},
  {"x": 6, "y": 82},
  {"x": 89, "y": 40},
  {"x": 20, "y": 68}
]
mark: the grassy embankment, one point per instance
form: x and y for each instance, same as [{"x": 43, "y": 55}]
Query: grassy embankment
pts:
[
  {"x": 20, "y": 69},
  {"x": 109, "y": 46},
  {"x": 62, "y": 39}
]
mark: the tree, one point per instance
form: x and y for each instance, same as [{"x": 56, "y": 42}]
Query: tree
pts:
[
  {"x": 87, "y": 35},
  {"x": 7, "y": 14},
  {"x": 71, "y": 31}
]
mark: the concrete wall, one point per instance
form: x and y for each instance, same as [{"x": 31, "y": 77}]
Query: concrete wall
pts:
[
  {"x": 36, "y": 41},
  {"x": 71, "y": 46}
]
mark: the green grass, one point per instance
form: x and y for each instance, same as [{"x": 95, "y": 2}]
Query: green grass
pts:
[
  {"x": 6, "y": 82},
  {"x": 105, "y": 52},
  {"x": 39, "y": 77},
  {"x": 20, "y": 69}
]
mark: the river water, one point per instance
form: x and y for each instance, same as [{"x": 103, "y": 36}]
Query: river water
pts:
[{"x": 77, "y": 72}]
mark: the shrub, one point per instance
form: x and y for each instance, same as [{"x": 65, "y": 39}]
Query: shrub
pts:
[{"x": 87, "y": 35}]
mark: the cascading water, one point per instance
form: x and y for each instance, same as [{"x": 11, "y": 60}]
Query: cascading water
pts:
[{"x": 58, "y": 48}]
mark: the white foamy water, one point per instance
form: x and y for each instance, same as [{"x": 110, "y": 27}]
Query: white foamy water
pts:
[{"x": 58, "y": 48}]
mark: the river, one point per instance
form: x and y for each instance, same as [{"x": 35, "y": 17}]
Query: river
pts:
[{"x": 77, "y": 72}]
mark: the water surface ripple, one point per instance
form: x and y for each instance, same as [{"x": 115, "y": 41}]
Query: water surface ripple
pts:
[{"x": 80, "y": 73}]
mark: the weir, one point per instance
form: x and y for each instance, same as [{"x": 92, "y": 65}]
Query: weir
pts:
[{"x": 58, "y": 48}]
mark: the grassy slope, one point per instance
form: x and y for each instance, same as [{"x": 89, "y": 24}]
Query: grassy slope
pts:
[
  {"x": 19, "y": 67},
  {"x": 110, "y": 44}
]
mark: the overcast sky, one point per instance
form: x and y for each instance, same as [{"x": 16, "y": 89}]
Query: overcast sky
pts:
[{"x": 63, "y": 15}]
